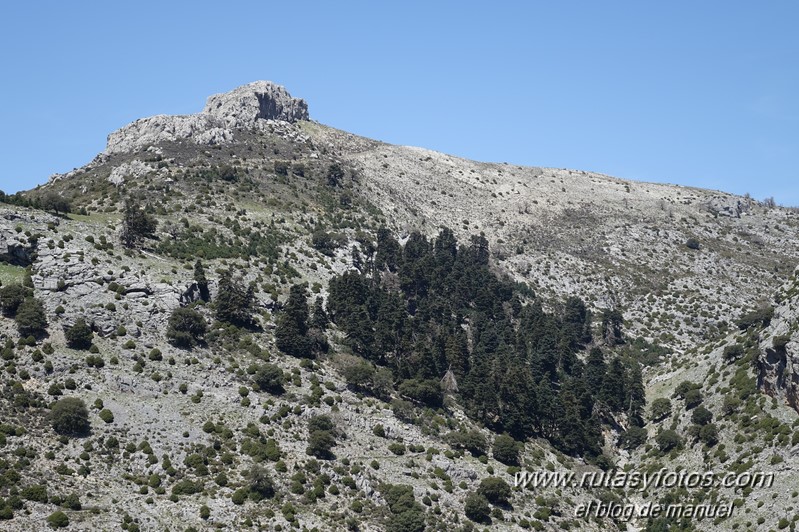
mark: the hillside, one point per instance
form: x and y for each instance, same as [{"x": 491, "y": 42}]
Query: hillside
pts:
[{"x": 336, "y": 334}]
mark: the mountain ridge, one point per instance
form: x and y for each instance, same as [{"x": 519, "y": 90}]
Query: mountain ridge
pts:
[{"x": 277, "y": 203}]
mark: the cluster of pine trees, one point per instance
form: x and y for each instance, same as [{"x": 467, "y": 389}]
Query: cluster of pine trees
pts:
[{"x": 427, "y": 309}]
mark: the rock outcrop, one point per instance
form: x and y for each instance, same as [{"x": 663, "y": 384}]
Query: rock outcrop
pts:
[
  {"x": 778, "y": 363},
  {"x": 260, "y": 100},
  {"x": 246, "y": 107}
]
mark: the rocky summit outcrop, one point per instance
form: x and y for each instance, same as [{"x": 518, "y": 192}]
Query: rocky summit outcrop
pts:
[
  {"x": 245, "y": 107},
  {"x": 260, "y": 100}
]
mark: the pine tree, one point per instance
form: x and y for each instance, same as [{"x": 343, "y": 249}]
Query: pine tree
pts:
[
  {"x": 595, "y": 369},
  {"x": 201, "y": 280},
  {"x": 319, "y": 318},
  {"x": 612, "y": 321},
  {"x": 291, "y": 333},
  {"x": 235, "y": 302},
  {"x": 136, "y": 224},
  {"x": 612, "y": 391},
  {"x": 636, "y": 395},
  {"x": 388, "y": 251},
  {"x": 30, "y": 317}
]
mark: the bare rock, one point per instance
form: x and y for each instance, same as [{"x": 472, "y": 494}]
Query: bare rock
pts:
[
  {"x": 243, "y": 108},
  {"x": 260, "y": 100}
]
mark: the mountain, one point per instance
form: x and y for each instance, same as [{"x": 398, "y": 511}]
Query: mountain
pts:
[{"x": 276, "y": 324}]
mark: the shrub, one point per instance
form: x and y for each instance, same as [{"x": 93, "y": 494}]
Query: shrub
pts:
[
  {"x": 427, "y": 392},
  {"x": 36, "y": 493},
  {"x": 632, "y": 438},
  {"x": 733, "y": 352},
  {"x": 358, "y": 373},
  {"x": 761, "y": 316},
  {"x": 80, "y": 335},
  {"x": 11, "y": 297},
  {"x": 779, "y": 342},
  {"x": 476, "y": 508},
  {"x": 668, "y": 440},
  {"x": 136, "y": 225},
  {"x": 506, "y": 450},
  {"x": 235, "y": 302},
  {"x": 692, "y": 398},
  {"x": 70, "y": 417},
  {"x": 261, "y": 485},
  {"x": 495, "y": 490},
  {"x": 269, "y": 378},
  {"x": 58, "y": 519},
  {"x": 106, "y": 415},
  {"x": 660, "y": 409},
  {"x": 709, "y": 434},
  {"x": 327, "y": 243},
  {"x": 320, "y": 437},
  {"x": 473, "y": 441},
  {"x": 239, "y": 496},
  {"x": 186, "y": 327},
  {"x": 72, "y": 501},
  {"x": 397, "y": 448},
  {"x": 684, "y": 387},
  {"x": 701, "y": 415},
  {"x": 30, "y": 317},
  {"x": 187, "y": 487}
]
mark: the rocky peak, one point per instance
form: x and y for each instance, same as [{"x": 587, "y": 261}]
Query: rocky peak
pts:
[
  {"x": 247, "y": 106},
  {"x": 258, "y": 100}
]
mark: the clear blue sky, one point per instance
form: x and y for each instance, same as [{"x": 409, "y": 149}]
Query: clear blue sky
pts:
[{"x": 697, "y": 93}]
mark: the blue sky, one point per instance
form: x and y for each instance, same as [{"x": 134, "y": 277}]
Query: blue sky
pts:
[{"x": 695, "y": 93}]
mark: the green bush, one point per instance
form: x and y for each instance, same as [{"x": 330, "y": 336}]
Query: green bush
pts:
[
  {"x": 260, "y": 483},
  {"x": 70, "y": 417},
  {"x": 187, "y": 487},
  {"x": 668, "y": 440},
  {"x": 632, "y": 438},
  {"x": 397, "y": 448},
  {"x": 320, "y": 437},
  {"x": 35, "y": 492},
  {"x": 472, "y": 440},
  {"x": 30, "y": 317},
  {"x": 506, "y": 450},
  {"x": 11, "y": 297},
  {"x": 427, "y": 392},
  {"x": 779, "y": 342},
  {"x": 758, "y": 317},
  {"x": 660, "y": 409},
  {"x": 269, "y": 378},
  {"x": 58, "y": 519},
  {"x": 476, "y": 508},
  {"x": 186, "y": 327},
  {"x": 701, "y": 416},
  {"x": 80, "y": 335},
  {"x": 326, "y": 242},
  {"x": 692, "y": 398},
  {"x": 495, "y": 490},
  {"x": 709, "y": 434},
  {"x": 733, "y": 352},
  {"x": 106, "y": 415}
]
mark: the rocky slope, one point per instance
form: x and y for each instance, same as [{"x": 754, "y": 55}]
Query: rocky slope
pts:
[{"x": 250, "y": 183}]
